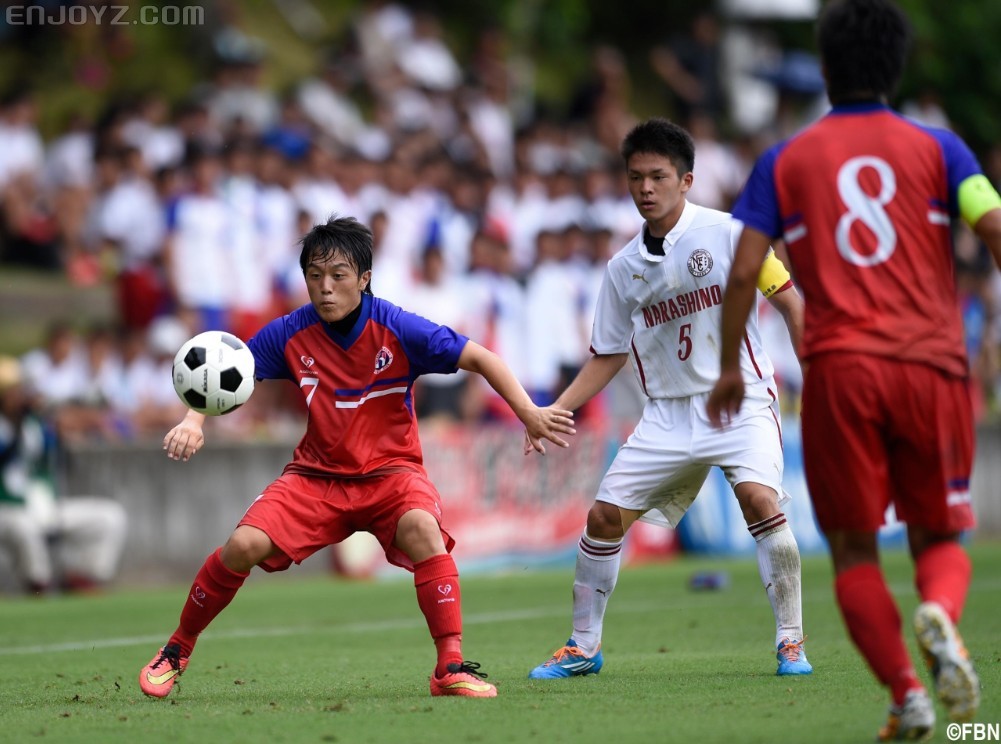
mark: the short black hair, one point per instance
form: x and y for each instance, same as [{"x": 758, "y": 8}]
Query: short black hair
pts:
[
  {"x": 344, "y": 235},
  {"x": 661, "y": 137},
  {"x": 863, "y": 46}
]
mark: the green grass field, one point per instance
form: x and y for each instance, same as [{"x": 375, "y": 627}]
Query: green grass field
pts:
[{"x": 317, "y": 660}]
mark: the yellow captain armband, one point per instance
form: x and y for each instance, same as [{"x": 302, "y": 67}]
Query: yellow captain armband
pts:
[
  {"x": 977, "y": 197},
  {"x": 773, "y": 276}
]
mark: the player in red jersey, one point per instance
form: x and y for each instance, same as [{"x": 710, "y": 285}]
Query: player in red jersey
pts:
[
  {"x": 359, "y": 465},
  {"x": 863, "y": 200}
]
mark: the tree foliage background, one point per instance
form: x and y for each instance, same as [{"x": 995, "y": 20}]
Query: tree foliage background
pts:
[{"x": 955, "y": 53}]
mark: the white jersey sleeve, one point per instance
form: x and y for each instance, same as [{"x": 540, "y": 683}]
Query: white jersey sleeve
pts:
[{"x": 613, "y": 325}]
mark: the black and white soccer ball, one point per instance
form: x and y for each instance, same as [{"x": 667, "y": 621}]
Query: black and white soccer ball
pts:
[{"x": 214, "y": 373}]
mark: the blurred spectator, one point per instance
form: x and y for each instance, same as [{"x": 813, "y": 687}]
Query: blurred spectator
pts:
[
  {"x": 23, "y": 152},
  {"x": 602, "y": 100},
  {"x": 237, "y": 96},
  {"x": 67, "y": 179},
  {"x": 125, "y": 230},
  {"x": 556, "y": 338},
  {"x": 316, "y": 191},
  {"x": 690, "y": 65},
  {"x": 458, "y": 219},
  {"x": 276, "y": 218},
  {"x": 162, "y": 145},
  {"x": 496, "y": 305},
  {"x": 57, "y": 372},
  {"x": 248, "y": 260},
  {"x": 392, "y": 277},
  {"x": 975, "y": 277},
  {"x": 926, "y": 108},
  {"x": 438, "y": 296},
  {"x": 425, "y": 58},
  {"x": 293, "y": 134},
  {"x": 76, "y": 540},
  {"x": 198, "y": 251},
  {"x": 63, "y": 384},
  {"x": 29, "y": 229},
  {"x": 719, "y": 174},
  {"x": 327, "y": 103},
  {"x": 382, "y": 27},
  {"x": 801, "y": 98}
]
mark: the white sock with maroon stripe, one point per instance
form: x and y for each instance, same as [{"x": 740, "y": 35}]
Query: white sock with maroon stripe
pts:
[
  {"x": 779, "y": 565},
  {"x": 597, "y": 570}
]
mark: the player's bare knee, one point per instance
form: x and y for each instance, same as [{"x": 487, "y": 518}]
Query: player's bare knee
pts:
[
  {"x": 757, "y": 501},
  {"x": 418, "y": 534},
  {"x": 604, "y": 522},
  {"x": 245, "y": 548}
]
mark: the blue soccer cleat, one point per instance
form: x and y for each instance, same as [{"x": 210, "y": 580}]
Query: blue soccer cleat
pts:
[
  {"x": 792, "y": 658},
  {"x": 568, "y": 661}
]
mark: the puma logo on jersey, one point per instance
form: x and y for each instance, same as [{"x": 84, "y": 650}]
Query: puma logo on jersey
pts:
[{"x": 641, "y": 277}]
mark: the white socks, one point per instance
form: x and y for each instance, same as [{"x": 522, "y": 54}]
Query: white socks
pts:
[
  {"x": 779, "y": 565},
  {"x": 598, "y": 564}
]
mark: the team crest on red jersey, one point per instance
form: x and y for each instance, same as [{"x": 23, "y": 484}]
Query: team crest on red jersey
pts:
[
  {"x": 700, "y": 262},
  {"x": 383, "y": 359}
]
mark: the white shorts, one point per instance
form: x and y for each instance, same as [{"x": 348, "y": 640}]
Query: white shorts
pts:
[{"x": 662, "y": 466}]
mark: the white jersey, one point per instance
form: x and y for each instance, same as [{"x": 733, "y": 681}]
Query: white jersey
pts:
[{"x": 665, "y": 311}]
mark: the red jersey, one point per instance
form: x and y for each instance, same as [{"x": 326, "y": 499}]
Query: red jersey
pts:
[
  {"x": 358, "y": 388},
  {"x": 863, "y": 199}
]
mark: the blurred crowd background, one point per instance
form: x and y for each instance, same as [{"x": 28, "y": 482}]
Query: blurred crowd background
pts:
[{"x": 164, "y": 173}]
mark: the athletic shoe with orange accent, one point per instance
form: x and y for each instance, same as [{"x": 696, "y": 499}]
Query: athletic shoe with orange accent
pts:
[
  {"x": 464, "y": 680},
  {"x": 912, "y": 721},
  {"x": 792, "y": 658},
  {"x": 158, "y": 677},
  {"x": 956, "y": 681},
  {"x": 568, "y": 661}
]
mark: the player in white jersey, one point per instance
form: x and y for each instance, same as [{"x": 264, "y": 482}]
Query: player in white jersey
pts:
[{"x": 659, "y": 305}]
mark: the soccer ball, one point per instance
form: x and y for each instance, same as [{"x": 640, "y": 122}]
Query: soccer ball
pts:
[{"x": 214, "y": 373}]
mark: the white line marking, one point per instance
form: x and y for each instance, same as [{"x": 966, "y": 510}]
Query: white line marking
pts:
[{"x": 899, "y": 589}]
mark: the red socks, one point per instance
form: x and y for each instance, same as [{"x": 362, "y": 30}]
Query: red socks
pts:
[
  {"x": 214, "y": 587},
  {"x": 873, "y": 623},
  {"x": 437, "y": 583},
  {"x": 942, "y": 575}
]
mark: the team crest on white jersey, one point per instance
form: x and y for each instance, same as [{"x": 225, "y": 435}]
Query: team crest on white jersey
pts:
[
  {"x": 383, "y": 359},
  {"x": 700, "y": 262}
]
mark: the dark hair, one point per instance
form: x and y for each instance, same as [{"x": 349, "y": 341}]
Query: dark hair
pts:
[
  {"x": 661, "y": 137},
  {"x": 863, "y": 45},
  {"x": 344, "y": 235}
]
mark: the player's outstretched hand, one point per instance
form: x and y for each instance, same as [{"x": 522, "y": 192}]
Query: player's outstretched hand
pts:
[
  {"x": 186, "y": 438},
  {"x": 725, "y": 399},
  {"x": 547, "y": 423}
]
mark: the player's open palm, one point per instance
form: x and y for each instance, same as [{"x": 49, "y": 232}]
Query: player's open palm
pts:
[
  {"x": 184, "y": 440},
  {"x": 725, "y": 399},
  {"x": 547, "y": 423}
]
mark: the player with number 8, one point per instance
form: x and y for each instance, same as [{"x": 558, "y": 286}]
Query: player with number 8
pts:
[{"x": 863, "y": 199}]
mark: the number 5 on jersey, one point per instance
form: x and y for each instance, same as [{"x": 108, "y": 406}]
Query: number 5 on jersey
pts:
[{"x": 685, "y": 340}]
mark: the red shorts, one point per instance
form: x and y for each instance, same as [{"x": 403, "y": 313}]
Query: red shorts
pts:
[
  {"x": 302, "y": 514},
  {"x": 878, "y": 431}
]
